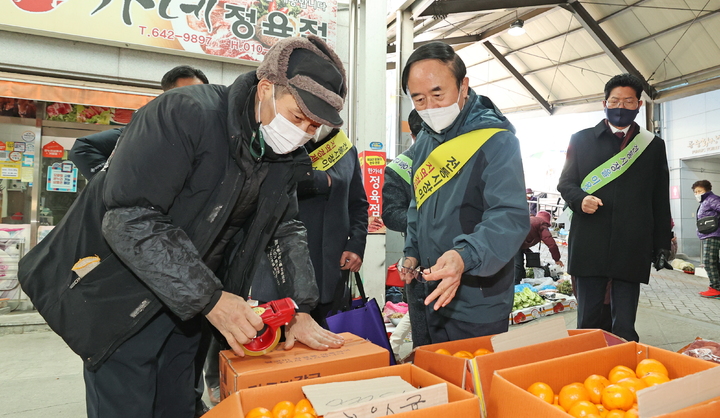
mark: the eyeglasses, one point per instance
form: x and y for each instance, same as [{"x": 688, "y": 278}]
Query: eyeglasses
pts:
[
  {"x": 626, "y": 103},
  {"x": 417, "y": 272}
]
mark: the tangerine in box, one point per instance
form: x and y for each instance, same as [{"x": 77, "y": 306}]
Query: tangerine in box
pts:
[
  {"x": 509, "y": 397},
  {"x": 460, "y": 402}
]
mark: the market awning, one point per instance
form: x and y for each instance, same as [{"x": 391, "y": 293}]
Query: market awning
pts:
[{"x": 84, "y": 95}]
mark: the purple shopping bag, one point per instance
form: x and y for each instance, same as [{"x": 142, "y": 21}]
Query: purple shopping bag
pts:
[{"x": 365, "y": 320}]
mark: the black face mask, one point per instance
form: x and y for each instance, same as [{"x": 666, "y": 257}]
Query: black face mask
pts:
[{"x": 621, "y": 117}]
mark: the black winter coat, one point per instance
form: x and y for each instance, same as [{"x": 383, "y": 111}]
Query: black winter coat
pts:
[
  {"x": 336, "y": 217},
  {"x": 181, "y": 169},
  {"x": 397, "y": 194},
  {"x": 621, "y": 238},
  {"x": 90, "y": 153}
]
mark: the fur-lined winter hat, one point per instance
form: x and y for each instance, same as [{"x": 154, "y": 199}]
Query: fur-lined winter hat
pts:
[{"x": 312, "y": 72}]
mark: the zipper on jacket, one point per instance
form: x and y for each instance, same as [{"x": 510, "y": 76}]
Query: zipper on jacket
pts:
[{"x": 75, "y": 282}]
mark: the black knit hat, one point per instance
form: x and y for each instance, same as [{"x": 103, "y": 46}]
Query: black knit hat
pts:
[{"x": 313, "y": 74}]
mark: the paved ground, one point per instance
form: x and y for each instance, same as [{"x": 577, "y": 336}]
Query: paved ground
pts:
[{"x": 40, "y": 377}]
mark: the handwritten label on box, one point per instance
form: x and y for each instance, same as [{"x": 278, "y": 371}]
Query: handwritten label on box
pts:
[
  {"x": 375, "y": 397},
  {"x": 408, "y": 401}
]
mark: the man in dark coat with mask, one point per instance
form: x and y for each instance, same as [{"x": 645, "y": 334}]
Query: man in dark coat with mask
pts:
[
  {"x": 616, "y": 182},
  {"x": 334, "y": 209},
  {"x": 201, "y": 185}
]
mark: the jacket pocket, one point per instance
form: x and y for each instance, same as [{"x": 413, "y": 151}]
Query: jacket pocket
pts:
[{"x": 95, "y": 314}]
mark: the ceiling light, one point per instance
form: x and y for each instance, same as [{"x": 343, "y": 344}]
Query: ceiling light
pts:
[{"x": 516, "y": 29}]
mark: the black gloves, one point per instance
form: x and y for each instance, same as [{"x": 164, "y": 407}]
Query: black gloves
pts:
[{"x": 661, "y": 260}]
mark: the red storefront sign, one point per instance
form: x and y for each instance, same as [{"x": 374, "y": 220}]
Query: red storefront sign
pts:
[{"x": 373, "y": 164}]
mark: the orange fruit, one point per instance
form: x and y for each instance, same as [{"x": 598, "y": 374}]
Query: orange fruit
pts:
[
  {"x": 443, "y": 351},
  {"x": 616, "y": 413},
  {"x": 620, "y": 372},
  {"x": 284, "y": 409},
  {"x": 559, "y": 407},
  {"x": 595, "y": 384},
  {"x": 583, "y": 409},
  {"x": 304, "y": 407},
  {"x": 654, "y": 378},
  {"x": 542, "y": 391},
  {"x": 572, "y": 393},
  {"x": 463, "y": 354},
  {"x": 259, "y": 412},
  {"x": 617, "y": 397},
  {"x": 632, "y": 383},
  {"x": 481, "y": 352},
  {"x": 632, "y": 413},
  {"x": 555, "y": 400},
  {"x": 650, "y": 365},
  {"x": 305, "y": 415},
  {"x": 601, "y": 410}
]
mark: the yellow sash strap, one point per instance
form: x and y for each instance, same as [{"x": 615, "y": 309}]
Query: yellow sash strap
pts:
[
  {"x": 331, "y": 152},
  {"x": 446, "y": 160}
]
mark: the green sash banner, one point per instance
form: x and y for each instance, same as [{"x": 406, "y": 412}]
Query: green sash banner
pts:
[
  {"x": 403, "y": 166},
  {"x": 617, "y": 164}
]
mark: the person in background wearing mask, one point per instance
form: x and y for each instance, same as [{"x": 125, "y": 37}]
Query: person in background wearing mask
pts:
[
  {"x": 709, "y": 206},
  {"x": 532, "y": 207},
  {"x": 200, "y": 188},
  {"x": 334, "y": 209},
  {"x": 616, "y": 182},
  {"x": 468, "y": 215},
  {"x": 90, "y": 153},
  {"x": 397, "y": 194}
]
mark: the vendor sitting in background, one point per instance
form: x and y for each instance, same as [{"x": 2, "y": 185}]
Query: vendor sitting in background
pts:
[{"x": 539, "y": 231}]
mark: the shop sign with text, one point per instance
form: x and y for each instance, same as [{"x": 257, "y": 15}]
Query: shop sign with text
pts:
[
  {"x": 372, "y": 164},
  {"x": 238, "y": 29}
]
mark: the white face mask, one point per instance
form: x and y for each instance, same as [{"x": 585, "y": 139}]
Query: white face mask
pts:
[
  {"x": 281, "y": 134},
  {"x": 440, "y": 118},
  {"x": 698, "y": 197},
  {"x": 321, "y": 133}
]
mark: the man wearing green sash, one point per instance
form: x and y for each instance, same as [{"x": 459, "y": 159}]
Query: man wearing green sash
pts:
[
  {"x": 468, "y": 216},
  {"x": 616, "y": 182},
  {"x": 397, "y": 194}
]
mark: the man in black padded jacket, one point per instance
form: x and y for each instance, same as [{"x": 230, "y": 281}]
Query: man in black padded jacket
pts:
[{"x": 202, "y": 183}]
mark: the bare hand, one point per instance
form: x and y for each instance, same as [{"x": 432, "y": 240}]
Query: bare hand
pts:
[
  {"x": 560, "y": 263},
  {"x": 448, "y": 269},
  {"x": 407, "y": 271},
  {"x": 375, "y": 224},
  {"x": 350, "y": 261},
  {"x": 303, "y": 328},
  {"x": 590, "y": 204},
  {"x": 236, "y": 321}
]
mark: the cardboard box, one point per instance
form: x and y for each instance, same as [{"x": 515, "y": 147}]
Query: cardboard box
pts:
[
  {"x": 300, "y": 363},
  {"x": 455, "y": 370},
  {"x": 461, "y": 403},
  {"x": 709, "y": 408},
  {"x": 510, "y": 399}
]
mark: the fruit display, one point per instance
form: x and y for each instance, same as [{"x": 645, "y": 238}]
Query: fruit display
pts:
[
  {"x": 526, "y": 298},
  {"x": 284, "y": 409},
  {"x": 464, "y": 353},
  {"x": 611, "y": 396}
]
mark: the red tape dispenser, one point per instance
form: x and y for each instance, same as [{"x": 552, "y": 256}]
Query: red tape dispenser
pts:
[{"x": 274, "y": 314}]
